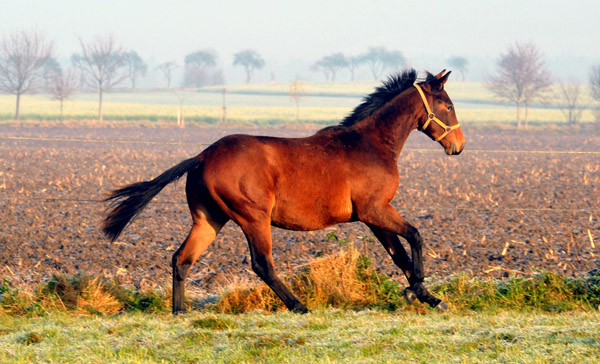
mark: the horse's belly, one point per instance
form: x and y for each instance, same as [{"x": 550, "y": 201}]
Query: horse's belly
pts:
[{"x": 310, "y": 212}]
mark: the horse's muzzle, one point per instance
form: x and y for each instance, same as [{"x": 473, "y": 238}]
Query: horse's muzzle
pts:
[{"x": 454, "y": 149}]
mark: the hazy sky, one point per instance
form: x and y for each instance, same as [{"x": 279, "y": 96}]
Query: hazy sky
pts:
[{"x": 427, "y": 32}]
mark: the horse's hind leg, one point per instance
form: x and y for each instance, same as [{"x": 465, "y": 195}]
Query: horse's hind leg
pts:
[
  {"x": 203, "y": 232},
  {"x": 260, "y": 242}
]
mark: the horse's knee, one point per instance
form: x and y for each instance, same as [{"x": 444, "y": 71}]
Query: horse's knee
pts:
[{"x": 414, "y": 239}]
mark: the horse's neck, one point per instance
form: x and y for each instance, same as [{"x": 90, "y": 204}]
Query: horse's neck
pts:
[{"x": 390, "y": 127}]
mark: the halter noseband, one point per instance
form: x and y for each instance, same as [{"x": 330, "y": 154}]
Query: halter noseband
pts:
[{"x": 431, "y": 116}]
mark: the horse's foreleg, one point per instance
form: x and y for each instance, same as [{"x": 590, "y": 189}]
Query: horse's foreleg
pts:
[
  {"x": 259, "y": 241},
  {"x": 394, "y": 247},
  {"x": 386, "y": 226},
  {"x": 202, "y": 234}
]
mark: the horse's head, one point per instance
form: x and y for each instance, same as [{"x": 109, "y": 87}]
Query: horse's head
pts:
[{"x": 439, "y": 119}]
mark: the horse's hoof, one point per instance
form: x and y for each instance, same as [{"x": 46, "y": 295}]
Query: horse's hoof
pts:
[
  {"x": 300, "y": 309},
  {"x": 409, "y": 295},
  {"x": 442, "y": 306}
]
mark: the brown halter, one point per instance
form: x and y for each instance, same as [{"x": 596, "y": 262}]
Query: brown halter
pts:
[{"x": 431, "y": 116}]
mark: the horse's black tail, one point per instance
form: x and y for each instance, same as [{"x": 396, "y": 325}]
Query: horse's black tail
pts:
[{"x": 127, "y": 202}]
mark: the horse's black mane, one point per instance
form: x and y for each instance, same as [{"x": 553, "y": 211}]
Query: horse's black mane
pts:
[{"x": 394, "y": 85}]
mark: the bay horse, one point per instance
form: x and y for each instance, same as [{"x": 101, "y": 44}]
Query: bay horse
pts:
[{"x": 342, "y": 173}]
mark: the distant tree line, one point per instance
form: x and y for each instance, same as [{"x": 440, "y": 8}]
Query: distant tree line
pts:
[
  {"x": 28, "y": 64},
  {"x": 378, "y": 59}
]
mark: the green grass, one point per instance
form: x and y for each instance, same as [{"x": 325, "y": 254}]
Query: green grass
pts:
[
  {"x": 547, "y": 292},
  {"x": 81, "y": 319},
  {"x": 323, "y": 336}
]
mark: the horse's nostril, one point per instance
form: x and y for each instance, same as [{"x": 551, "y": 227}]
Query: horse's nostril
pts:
[{"x": 458, "y": 151}]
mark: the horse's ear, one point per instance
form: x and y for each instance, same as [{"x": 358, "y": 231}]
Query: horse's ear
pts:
[
  {"x": 444, "y": 78},
  {"x": 437, "y": 82},
  {"x": 439, "y": 75}
]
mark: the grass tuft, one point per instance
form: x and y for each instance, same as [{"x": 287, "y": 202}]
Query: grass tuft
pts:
[
  {"x": 81, "y": 294},
  {"x": 31, "y": 338},
  {"x": 548, "y": 292},
  {"x": 345, "y": 280}
]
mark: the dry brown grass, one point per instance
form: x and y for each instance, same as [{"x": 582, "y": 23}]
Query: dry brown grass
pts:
[
  {"x": 94, "y": 298},
  {"x": 241, "y": 296},
  {"x": 334, "y": 281},
  {"x": 344, "y": 280},
  {"x": 79, "y": 294}
]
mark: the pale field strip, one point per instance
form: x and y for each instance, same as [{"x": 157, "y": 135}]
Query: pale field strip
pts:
[{"x": 324, "y": 103}]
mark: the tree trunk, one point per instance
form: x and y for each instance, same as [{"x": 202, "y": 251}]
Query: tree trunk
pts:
[
  {"x": 526, "y": 114},
  {"x": 248, "y": 74},
  {"x": 61, "y": 110},
  {"x": 373, "y": 72},
  {"x": 17, "y": 109},
  {"x": 570, "y": 117},
  {"x": 100, "y": 119},
  {"x": 519, "y": 115},
  {"x": 224, "y": 116},
  {"x": 180, "y": 119}
]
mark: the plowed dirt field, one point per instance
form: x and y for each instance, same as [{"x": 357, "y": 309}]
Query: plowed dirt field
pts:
[{"x": 501, "y": 206}]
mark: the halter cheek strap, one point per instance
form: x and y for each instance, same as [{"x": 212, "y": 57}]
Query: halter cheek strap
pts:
[{"x": 431, "y": 116}]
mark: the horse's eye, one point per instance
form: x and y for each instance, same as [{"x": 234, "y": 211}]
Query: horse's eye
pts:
[{"x": 450, "y": 107}]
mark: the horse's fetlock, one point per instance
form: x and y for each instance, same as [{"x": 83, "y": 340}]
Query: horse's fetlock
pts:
[{"x": 415, "y": 280}]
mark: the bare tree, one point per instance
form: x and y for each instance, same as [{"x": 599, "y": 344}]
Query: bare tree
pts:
[
  {"x": 197, "y": 68},
  {"x": 50, "y": 68},
  {"x": 567, "y": 99},
  {"x": 62, "y": 85},
  {"x": 102, "y": 62},
  {"x": 135, "y": 66},
  {"x": 379, "y": 59},
  {"x": 520, "y": 77},
  {"x": 595, "y": 88},
  {"x": 330, "y": 65},
  {"x": 250, "y": 60},
  {"x": 167, "y": 71},
  {"x": 181, "y": 96},
  {"x": 22, "y": 57},
  {"x": 297, "y": 92},
  {"x": 459, "y": 63},
  {"x": 353, "y": 62}
]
